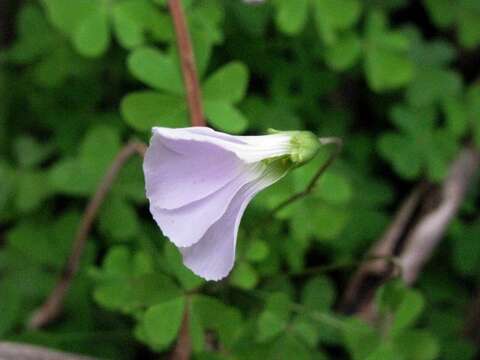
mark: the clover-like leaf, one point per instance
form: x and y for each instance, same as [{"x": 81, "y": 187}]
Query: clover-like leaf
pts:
[
  {"x": 344, "y": 53},
  {"x": 127, "y": 282},
  {"x": 156, "y": 69},
  {"x": 161, "y": 322},
  {"x": 420, "y": 146},
  {"x": 273, "y": 320},
  {"x": 228, "y": 83},
  {"x": 143, "y": 110},
  {"x": 434, "y": 81},
  {"x": 333, "y": 16},
  {"x": 92, "y": 37},
  {"x": 464, "y": 14},
  {"x": 291, "y": 15},
  {"x": 225, "y": 117},
  {"x": 387, "y": 64},
  {"x": 212, "y": 314}
]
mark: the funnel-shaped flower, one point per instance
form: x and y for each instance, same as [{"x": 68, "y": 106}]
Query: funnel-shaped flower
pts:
[{"x": 199, "y": 182}]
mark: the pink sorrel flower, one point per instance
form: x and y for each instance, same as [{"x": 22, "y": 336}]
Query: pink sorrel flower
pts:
[{"x": 199, "y": 182}]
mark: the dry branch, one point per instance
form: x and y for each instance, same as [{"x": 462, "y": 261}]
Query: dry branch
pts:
[
  {"x": 413, "y": 239},
  {"x": 183, "y": 348},
  {"x": 471, "y": 328},
  {"x": 16, "y": 351},
  {"x": 385, "y": 247},
  {"x": 52, "y": 307},
  {"x": 430, "y": 229}
]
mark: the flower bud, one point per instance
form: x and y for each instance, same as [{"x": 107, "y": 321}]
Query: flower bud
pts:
[{"x": 305, "y": 146}]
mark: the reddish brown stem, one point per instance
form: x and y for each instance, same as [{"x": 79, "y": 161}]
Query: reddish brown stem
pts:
[
  {"x": 187, "y": 60},
  {"x": 10, "y": 350},
  {"x": 53, "y": 305},
  {"x": 183, "y": 348}
]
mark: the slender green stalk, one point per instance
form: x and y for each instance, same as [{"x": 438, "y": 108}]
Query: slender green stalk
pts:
[{"x": 311, "y": 185}]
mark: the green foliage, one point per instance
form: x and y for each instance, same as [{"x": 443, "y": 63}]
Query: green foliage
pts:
[
  {"x": 420, "y": 147},
  {"x": 331, "y": 17},
  {"x": 80, "y": 175},
  {"x": 434, "y": 81},
  {"x": 221, "y": 91},
  {"x": 161, "y": 322},
  {"x": 128, "y": 282},
  {"x": 387, "y": 65},
  {"x": 274, "y": 318},
  {"x": 396, "y": 80},
  {"x": 464, "y": 15},
  {"x": 87, "y": 23},
  {"x": 399, "y": 309}
]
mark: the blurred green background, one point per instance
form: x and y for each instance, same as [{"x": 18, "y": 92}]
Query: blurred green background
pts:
[{"x": 397, "y": 80}]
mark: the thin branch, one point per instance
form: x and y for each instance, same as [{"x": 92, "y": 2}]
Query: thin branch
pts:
[
  {"x": 414, "y": 240},
  {"x": 472, "y": 321},
  {"x": 17, "y": 351},
  {"x": 311, "y": 185},
  {"x": 384, "y": 247},
  {"x": 183, "y": 348},
  {"x": 428, "y": 232},
  {"x": 322, "y": 269},
  {"x": 53, "y": 305},
  {"x": 187, "y": 60}
]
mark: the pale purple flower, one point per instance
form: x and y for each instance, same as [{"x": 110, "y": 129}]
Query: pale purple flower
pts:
[{"x": 199, "y": 182}]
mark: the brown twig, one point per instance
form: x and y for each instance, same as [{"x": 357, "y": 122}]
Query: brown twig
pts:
[
  {"x": 384, "y": 247},
  {"x": 428, "y": 232},
  {"x": 183, "y": 348},
  {"x": 471, "y": 328},
  {"x": 414, "y": 240},
  {"x": 187, "y": 60},
  {"x": 53, "y": 305},
  {"x": 17, "y": 351}
]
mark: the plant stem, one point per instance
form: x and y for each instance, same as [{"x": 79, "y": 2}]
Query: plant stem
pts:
[
  {"x": 311, "y": 185},
  {"x": 187, "y": 60},
  {"x": 183, "y": 348},
  {"x": 54, "y": 304}
]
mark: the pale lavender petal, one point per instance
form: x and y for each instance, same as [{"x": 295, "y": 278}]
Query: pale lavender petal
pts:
[
  {"x": 250, "y": 149},
  {"x": 186, "y": 225},
  {"x": 206, "y": 131},
  {"x": 179, "y": 172},
  {"x": 213, "y": 256}
]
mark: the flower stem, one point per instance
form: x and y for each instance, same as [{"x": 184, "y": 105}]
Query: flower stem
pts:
[
  {"x": 187, "y": 60},
  {"x": 311, "y": 185}
]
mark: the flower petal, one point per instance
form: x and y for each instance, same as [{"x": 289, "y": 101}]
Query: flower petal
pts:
[
  {"x": 179, "y": 172},
  {"x": 214, "y": 255},
  {"x": 202, "y": 213},
  {"x": 206, "y": 131},
  {"x": 250, "y": 149}
]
